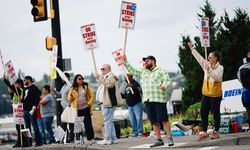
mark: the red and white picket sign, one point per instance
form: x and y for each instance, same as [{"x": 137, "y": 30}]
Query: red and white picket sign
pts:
[
  {"x": 11, "y": 72},
  {"x": 205, "y": 41},
  {"x": 128, "y": 15},
  {"x": 118, "y": 55},
  {"x": 18, "y": 113},
  {"x": 90, "y": 40}
]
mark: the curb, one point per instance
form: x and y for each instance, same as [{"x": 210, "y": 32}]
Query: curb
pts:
[{"x": 244, "y": 140}]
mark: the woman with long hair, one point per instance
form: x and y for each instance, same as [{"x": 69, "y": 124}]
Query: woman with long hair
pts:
[
  {"x": 82, "y": 98},
  {"x": 211, "y": 91}
]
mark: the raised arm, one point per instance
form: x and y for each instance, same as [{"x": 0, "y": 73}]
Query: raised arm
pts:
[{"x": 203, "y": 63}]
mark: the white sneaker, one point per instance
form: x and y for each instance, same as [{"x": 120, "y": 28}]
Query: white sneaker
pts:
[
  {"x": 105, "y": 142},
  {"x": 115, "y": 141},
  {"x": 90, "y": 142}
]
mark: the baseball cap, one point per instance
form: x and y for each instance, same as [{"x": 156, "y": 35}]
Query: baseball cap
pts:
[{"x": 149, "y": 57}]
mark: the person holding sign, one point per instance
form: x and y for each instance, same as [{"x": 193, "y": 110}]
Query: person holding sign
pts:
[
  {"x": 154, "y": 82},
  {"x": 82, "y": 98},
  {"x": 109, "y": 96},
  {"x": 134, "y": 102},
  {"x": 16, "y": 93},
  {"x": 211, "y": 91},
  {"x": 64, "y": 102}
]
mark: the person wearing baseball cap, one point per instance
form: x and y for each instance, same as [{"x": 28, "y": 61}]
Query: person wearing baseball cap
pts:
[{"x": 154, "y": 82}]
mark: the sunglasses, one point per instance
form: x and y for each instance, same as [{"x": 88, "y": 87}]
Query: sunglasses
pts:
[
  {"x": 102, "y": 69},
  {"x": 80, "y": 79}
]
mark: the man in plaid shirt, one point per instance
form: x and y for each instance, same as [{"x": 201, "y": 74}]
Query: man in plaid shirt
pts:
[{"x": 154, "y": 82}]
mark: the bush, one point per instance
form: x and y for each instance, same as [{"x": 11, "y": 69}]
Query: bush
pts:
[{"x": 193, "y": 111}]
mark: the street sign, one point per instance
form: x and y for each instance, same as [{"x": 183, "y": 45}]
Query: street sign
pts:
[
  {"x": 205, "y": 41},
  {"x": 127, "y": 15},
  {"x": 11, "y": 72},
  {"x": 89, "y": 36}
]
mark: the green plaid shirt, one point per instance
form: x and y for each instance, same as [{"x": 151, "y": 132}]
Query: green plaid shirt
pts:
[{"x": 151, "y": 82}]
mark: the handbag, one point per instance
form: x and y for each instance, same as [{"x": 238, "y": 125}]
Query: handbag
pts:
[{"x": 69, "y": 114}]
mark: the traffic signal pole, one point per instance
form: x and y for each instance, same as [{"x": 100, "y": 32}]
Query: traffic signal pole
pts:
[{"x": 56, "y": 32}]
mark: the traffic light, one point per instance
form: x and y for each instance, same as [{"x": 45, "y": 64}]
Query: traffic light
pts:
[
  {"x": 50, "y": 42},
  {"x": 39, "y": 10}
]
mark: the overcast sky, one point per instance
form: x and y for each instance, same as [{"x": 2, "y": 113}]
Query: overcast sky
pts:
[{"x": 158, "y": 30}]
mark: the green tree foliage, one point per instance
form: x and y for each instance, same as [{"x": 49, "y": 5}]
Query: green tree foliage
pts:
[{"x": 233, "y": 39}]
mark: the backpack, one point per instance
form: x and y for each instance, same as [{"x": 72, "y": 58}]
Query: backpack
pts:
[{"x": 243, "y": 74}]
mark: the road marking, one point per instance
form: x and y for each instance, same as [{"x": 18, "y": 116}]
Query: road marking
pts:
[
  {"x": 148, "y": 146},
  {"x": 208, "y": 148}
]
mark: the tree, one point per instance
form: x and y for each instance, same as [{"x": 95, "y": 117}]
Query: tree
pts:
[
  {"x": 233, "y": 39},
  {"x": 189, "y": 67}
]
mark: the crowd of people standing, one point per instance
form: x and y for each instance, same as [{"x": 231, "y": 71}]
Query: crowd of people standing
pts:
[{"x": 38, "y": 110}]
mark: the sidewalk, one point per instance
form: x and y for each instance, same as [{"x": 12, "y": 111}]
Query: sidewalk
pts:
[{"x": 144, "y": 143}]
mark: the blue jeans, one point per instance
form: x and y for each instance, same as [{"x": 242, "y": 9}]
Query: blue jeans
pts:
[
  {"x": 135, "y": 115},
  {"x": 48, "y": 126},
  {"x": 108, "y": 114},
  {"x": 31, "y": 119},
  {"x": 41, "y": 128}
]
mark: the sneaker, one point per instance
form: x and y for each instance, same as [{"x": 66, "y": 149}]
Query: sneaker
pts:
[
  {"x": 115, "y": 141},
  {"x": 157, "y": 143},
  {"x": 140, "y": 135},
  {"x": 105, "y": 142},
  {"x": 133, "y": 135},
  {"x": 90, "y": 142},
  {"x": 170, "y": 141},
  {"x": 215, "y": 135},
  {"x": 16, "y": 145},
  {"x": 203, "y": 136}
]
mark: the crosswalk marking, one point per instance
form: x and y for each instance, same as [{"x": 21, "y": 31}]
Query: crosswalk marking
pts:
[
  {"x": 148, "y": 146},
  {"x": 208, "y": 148}
]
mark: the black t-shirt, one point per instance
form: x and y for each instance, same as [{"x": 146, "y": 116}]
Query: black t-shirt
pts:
[
  {"x": 31, "y": 97},
  {"x": 132, "y": 99}
]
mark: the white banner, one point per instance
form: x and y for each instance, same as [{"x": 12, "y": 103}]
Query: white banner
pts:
[
  {"x": 205, "y": 38},
  {"x": 89, "y": 36},
  {"x": 231, "y": 100},
  {"x": 127, "y": 16},
  {"x": 11, "y": 72},
  {"x": 18, "y": 113}
]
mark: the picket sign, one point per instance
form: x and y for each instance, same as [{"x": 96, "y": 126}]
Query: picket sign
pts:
[
  {"x": 18, "y": 113},
  {"x": 127, "y": 19},
  {"x": 59, "y": 133},
  {"x": 53, "y": 62},
  {"x": 118, "y": 56},
  {"x": 205, "y": 38},
  {"x": 79, "y": 125},
  {"x": 10, "y": 72},
  {"x": 90, "y": 40}
]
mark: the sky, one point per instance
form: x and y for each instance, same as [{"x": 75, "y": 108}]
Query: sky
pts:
[{"x": 158, "y": 29}]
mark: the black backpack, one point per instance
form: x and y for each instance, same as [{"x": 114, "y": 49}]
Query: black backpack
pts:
[{"x": 244, "y": 74}]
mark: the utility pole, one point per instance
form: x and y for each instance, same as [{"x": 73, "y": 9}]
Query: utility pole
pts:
[
  {"x": 39, "y": 13},
  {"x": 56, "y": 32}
]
